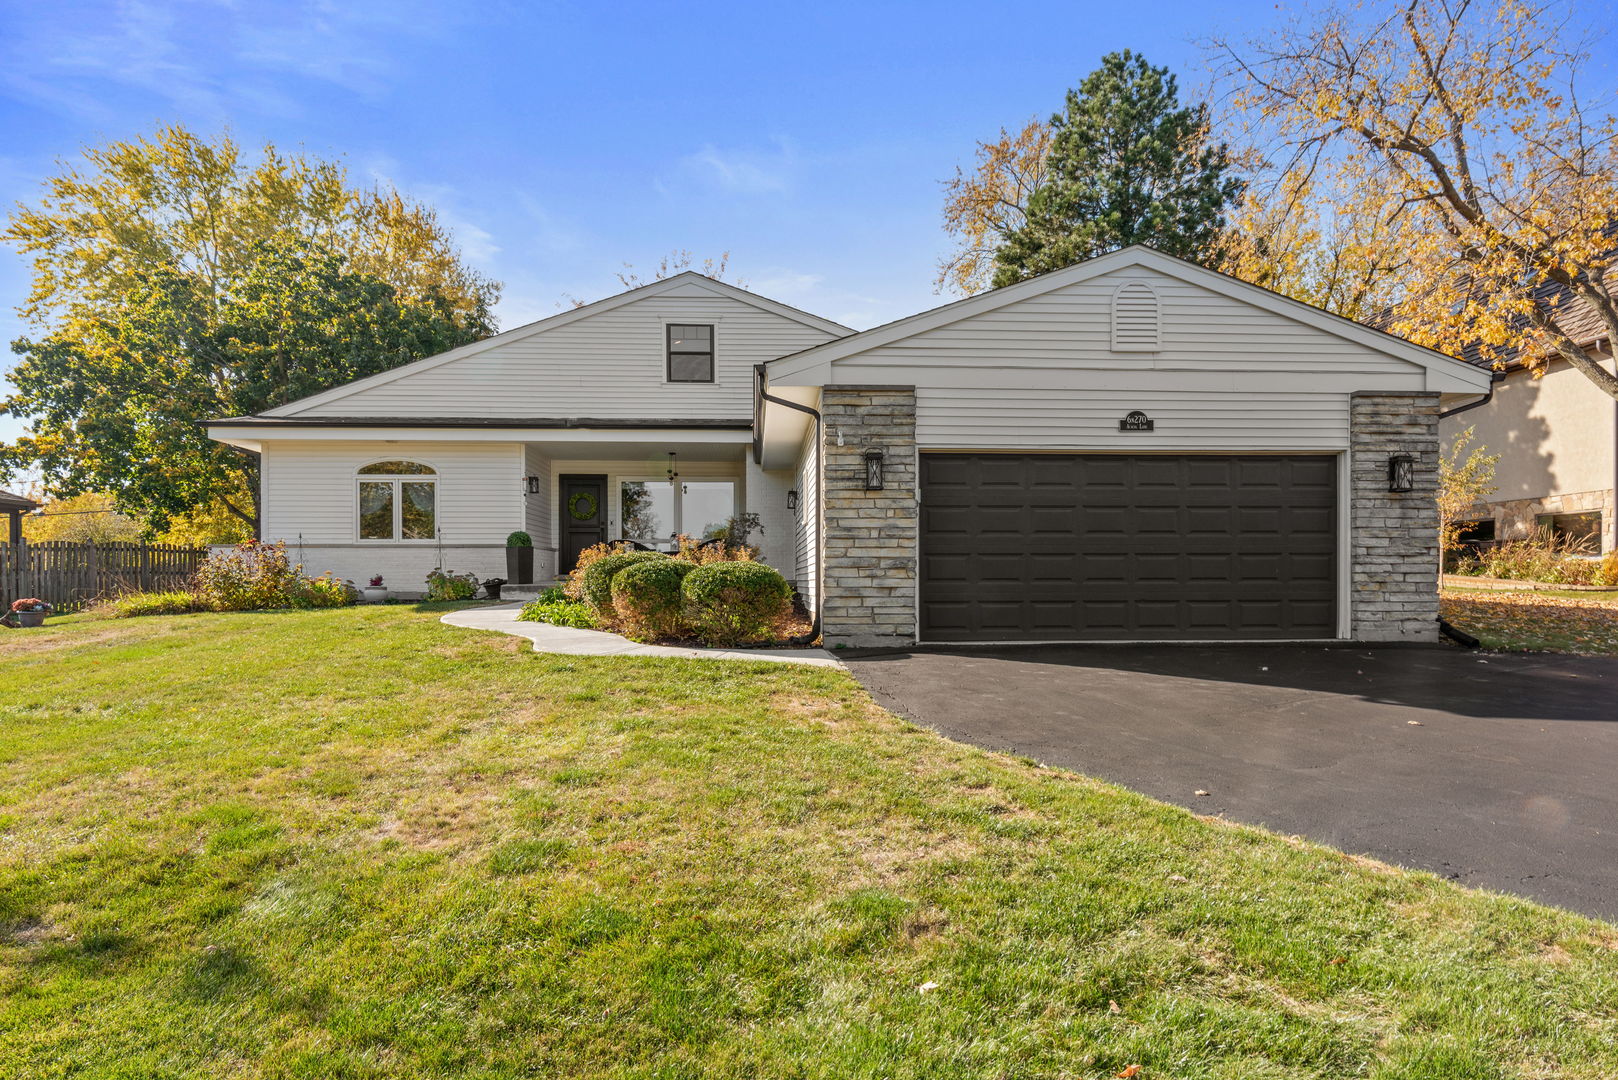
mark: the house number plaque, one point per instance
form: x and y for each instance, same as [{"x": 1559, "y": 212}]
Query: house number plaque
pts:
[{"x": 1135, "y": 421}]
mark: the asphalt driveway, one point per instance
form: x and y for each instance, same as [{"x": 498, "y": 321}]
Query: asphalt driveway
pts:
[{"x": 1493, "y": 770}]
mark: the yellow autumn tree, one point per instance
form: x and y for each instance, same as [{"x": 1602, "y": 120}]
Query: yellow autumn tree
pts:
[
  {"x": 177, "y": 201},
  {"x": 1448, "y": 143},
  {"x": 986, "y": 204}
]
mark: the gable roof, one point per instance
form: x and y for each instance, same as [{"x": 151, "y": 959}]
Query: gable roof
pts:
[
  {"x": 10, "y": 502},
  {"x": 1134, "y": 255},
  {"x": 681, "y": 282}
]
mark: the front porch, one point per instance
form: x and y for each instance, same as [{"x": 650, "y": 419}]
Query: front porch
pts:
[{"x": 577, "y": 494}]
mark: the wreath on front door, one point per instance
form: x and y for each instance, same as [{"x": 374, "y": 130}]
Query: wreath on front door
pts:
[{"x": 583, "y": 505}]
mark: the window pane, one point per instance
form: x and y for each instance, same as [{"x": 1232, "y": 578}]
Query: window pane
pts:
[
  {"x": 706, "y": 508},
  {"x": 691, "y": 339},
  {"x": 648, "y": 509},
  {"x": 376, "y": 511},
  {"x": 416, "y": 511},
  {"x": 396, "y": 468},
  {"x": 691, "y": 367}
]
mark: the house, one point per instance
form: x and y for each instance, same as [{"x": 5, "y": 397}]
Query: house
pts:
[
  {"x": 1132, "y": 448},
  {"x": 1557, "y": 438}
]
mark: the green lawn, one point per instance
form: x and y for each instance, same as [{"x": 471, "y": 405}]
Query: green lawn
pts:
[{"x": 359, "y": 843}]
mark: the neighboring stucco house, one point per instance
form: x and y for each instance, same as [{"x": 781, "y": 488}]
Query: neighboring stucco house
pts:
[
  {"x": 1557, "y": 437},
  {"x": 1133, "y": 448}
]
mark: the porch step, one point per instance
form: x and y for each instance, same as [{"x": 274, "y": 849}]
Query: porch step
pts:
[{"x": 525, "y": 592}]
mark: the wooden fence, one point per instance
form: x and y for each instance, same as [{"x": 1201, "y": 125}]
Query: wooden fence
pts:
[{"x": 70, "y": 576}]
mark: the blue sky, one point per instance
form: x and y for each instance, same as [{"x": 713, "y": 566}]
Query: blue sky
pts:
[{"x": 561, "y": 140}]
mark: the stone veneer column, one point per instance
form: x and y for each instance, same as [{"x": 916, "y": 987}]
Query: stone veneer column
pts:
[
  {"x": 869, "y": 564},
  {"x": 1394, "y": 534}
]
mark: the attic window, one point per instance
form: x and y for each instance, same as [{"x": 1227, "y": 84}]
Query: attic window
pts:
[
  {"x": 690, "y": 353},
  {"x": 1134, "y": 318}
]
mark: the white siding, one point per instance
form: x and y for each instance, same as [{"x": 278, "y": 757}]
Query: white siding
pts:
[
  {"x": 766, "y": 496},
  {"x": 1071, "y": 328},
  {"x": 1020, "y": 419},
  {"x": 608, "y": 365},
  {"x": 310, "y": 501},
  {"x": 538, "y": 521},
  {"x": 806, "y": 561},
  {"x": 1043, "y": 373}
]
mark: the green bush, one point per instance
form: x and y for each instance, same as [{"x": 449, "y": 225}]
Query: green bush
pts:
[
  {"x": 252, "y": 576},
  {"x": 178, "y": 602},
  {"x": 519, "y": 539},
  {"x": 646, "y": 599},
  {"x": 448, "y": 585},
  {"x": 736, "y": 603},
  {"x": 598, "y": 579},
  {"x": 559, "y": 611},
  {"x": 325, "y": 591}
]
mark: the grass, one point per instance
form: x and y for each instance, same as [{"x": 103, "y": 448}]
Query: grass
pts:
[
  {"x": 1551, "y": 620},
  {"x": 358, "y": 843}
]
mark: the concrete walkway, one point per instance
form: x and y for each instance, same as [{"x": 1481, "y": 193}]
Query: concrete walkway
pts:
[{"x": 568, "y": 641}]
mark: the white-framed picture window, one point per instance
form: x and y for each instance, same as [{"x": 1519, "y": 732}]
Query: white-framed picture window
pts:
[
  {"x": 653, "y": 511},
  {"x": 396, "y": 501}
]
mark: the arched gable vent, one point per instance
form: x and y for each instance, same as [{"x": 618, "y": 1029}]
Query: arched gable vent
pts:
[{"x": 1135, "y": 318}]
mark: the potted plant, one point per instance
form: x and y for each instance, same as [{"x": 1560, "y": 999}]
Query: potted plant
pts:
[
  {"x": 491, "y": 587},
  {"x": 520, "y": 558},
  {"x": 375, "y": 592},
  {"x": 29, "y": 611}
]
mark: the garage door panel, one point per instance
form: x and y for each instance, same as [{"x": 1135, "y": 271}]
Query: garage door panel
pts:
[{"x": 1076, "y": 547}]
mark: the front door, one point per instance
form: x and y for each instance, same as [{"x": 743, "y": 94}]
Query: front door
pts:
[{"x": 583, "y": 515}]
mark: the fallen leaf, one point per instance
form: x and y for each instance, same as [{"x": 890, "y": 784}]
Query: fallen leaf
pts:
[
  {"x": 1338, "y": 960},
  {"x": 1112, "y": 1007},
  {"x": 926, "y": 986},
  {"x": 1199, "y": 791},
  {"x": 1415, "y": 723},
  {"x": 1181, "y": 878},
  {"x": 1130, "y": 1071}
]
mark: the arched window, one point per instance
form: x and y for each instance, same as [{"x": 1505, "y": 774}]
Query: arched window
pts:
[
  {"x": 1134, "y": 318},
  {"x": 397, "y": 500}
]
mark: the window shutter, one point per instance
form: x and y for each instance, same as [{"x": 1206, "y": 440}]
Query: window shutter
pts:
[{"x": 1134, "y": 318}]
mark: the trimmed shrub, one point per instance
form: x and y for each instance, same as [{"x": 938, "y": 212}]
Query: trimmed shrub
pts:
[
  {"x": 735, "y": 603},
  {"x": 519, "y": 539},
  {"x": 646, "y": 598},
  {"x": 598, "y": 578},
  {"x": 574, "y": 585},
  {"x": 178, "y": 602}
]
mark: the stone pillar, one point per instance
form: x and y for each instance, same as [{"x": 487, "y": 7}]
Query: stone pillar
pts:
[
  {"x": 1394, "y": 543},
  {"x": 870, "y": 536}
]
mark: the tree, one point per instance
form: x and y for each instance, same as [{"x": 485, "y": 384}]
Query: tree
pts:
[
  {"x": 1464, "y": 478},
  {"x": 1128, "y": 164},
  {"x": 982, "y": 208},
  {"x": 179, "y": 202},
  {"x": 117, "y": 402},
  {"x": 1458, "y": 125},
  {"x": 91, "y": 518}
]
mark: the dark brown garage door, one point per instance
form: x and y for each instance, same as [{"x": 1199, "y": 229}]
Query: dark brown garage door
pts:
[{"x": 1097, "y": 547}]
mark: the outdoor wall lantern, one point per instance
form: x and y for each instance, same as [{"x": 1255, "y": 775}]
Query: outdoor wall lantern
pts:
[
  {"x": 873, "y": 470},
  {"x": 1401, "y": 472},
  {"x": 530, "y": 485},
  {"x": 792, "y": 501}
]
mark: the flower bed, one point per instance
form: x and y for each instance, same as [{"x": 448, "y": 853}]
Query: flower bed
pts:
[
  {"x": 715, "y": 594},
  {"x": 252, "y": 576},
  {"x": 1545, "y": 560}
]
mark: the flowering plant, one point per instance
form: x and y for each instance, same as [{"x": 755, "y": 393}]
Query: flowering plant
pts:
[
  {"x": 30, "y": 603},
  {"x": 376, "y": 581}
]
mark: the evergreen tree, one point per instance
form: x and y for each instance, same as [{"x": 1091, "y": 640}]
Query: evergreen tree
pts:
[{"x": 1128, "y": 165}]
